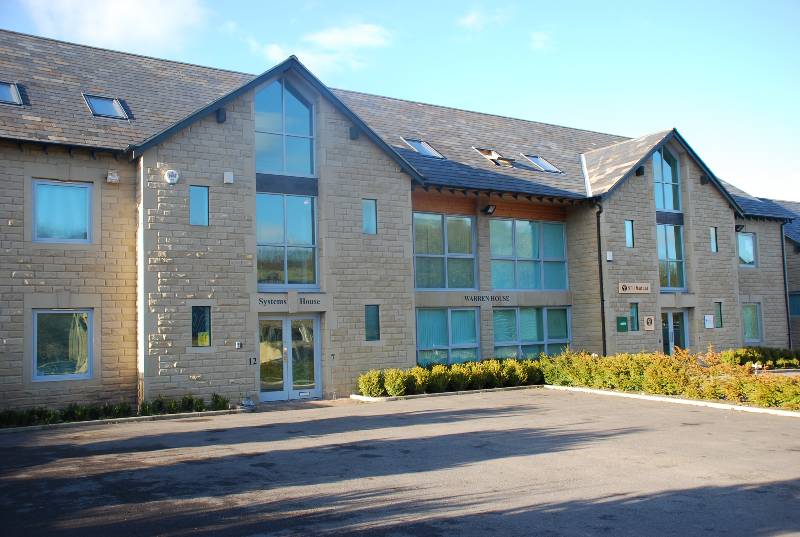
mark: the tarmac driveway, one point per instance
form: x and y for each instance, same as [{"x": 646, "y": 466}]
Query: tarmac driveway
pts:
[{"x": 529, "y": 462}]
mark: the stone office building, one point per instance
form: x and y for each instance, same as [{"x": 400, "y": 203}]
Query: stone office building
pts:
[{"x": 171, "y": 229}]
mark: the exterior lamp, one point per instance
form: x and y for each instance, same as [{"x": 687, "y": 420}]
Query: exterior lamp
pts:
[
  {"x": 489, "y": 209},
  {"x": 171, "y": 176}
]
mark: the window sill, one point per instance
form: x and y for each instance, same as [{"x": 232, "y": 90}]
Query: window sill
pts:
[
  {"x": 673, "y": 290},
  {"x": 61, "y": 378}
]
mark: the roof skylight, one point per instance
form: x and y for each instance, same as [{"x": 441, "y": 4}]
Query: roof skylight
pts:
[
  {"x": 542, "y": 164},
  {"x": 9, "y": 93},
  {"x": 105, "y": 106},
  {"x": 422, "y": 147},
  {"x": 496, "y": 158}
]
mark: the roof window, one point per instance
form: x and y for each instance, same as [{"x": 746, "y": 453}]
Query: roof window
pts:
[
  {"x": 495, "y": 157},
  {"x": 422, "y": 147},
  {"x": 9, "y": 93},
  {"x": 105, "y": 106},
  {"x": 542, "y": 164}
]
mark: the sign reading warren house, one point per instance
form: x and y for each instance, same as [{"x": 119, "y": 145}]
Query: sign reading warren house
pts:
[
  {"x": 487, "y": 298},
  {"x": 627, "y": 288}
]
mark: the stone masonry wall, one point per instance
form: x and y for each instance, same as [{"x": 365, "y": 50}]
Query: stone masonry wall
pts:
[
  {"x": 100, "y": 275},
  {"x": 584, "y": 282},
  {"x": 793, "y": 277}
]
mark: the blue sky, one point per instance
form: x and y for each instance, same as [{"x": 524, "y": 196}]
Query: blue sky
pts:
[{"x": 726, "y": 74}]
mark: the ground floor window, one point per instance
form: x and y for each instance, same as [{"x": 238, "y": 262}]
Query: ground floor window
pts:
[
  {"x": 529, "y": 332},
  {"x": 62, "y": 343},
  {"x": 751, "y": 322},
  {"x": 794, "y": 304},
  {"x": 447, "y": 336}
]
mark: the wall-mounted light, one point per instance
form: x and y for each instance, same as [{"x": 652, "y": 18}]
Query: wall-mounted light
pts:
[
  {"x": 704, "y": 180},
  {"x": 227, "y": 178},
  {"x": 739, "y": 227},
  {"x": 639, "y": 171},
  {"x": 171, "y": 176},
  {"x": 221, "y": 115},
  {"x": 112, "y": 176},
  {"x": 489, "y": 209}
]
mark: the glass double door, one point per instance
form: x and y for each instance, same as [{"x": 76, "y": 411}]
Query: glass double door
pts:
[
  {"x": 673, "y": 330},
  {"x": 289, "y": 358}
]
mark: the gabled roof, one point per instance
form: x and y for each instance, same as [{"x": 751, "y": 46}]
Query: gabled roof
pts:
[
  {"x": 792, "y": 229},
  {"x": 759, "y": 207}
]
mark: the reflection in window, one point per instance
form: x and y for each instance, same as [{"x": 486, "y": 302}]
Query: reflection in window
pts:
[
  {"x": 284, "y": 130},
  {"x": 447, "y": 336},
  {"x": 529, "y": 332},
  {"x": 751, "y": 322},
  {"x": 527, "y": 254},
  {"x": 747, "y": 249},
  {"x": 201, "y": 326},
  {"x": 198, "y": 205},
  {"x": 794, "y": 304},
  {"x": 372, "y": 322},
  {"x": 62, "y": 211},
  {"x": 666, "y": 181},
  {"x": 670, "y": 256},
  {"x": 369, "y": 217},
  {"x": 105, "y": 107},
  {"x": 62, "y": 344},
  {"x": 286, "y": 240},
  {"x": 444, "y": 255}
]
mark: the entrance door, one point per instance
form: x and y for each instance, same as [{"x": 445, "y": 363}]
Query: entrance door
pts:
[
  {"x": 289, "y": 358},
  {"x": 673, "y": 330}
]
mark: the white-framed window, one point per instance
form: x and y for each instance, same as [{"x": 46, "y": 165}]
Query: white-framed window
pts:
[
  {"x": 62, "y": 211},
  {"x": 794, "y": 304},
  {"x": 751, "y": 323},
  {"x": 369, "y": 216},
  {"x": 666, "y": 181},
  {"x": 62, "y": 344},
  {"x": 747, "y": 247},
  {"x": 284, "y": 130},
  {"x": 712, "y": 240},
  {"x": 630, "y": 241},
  {"x": 528, "y": 254},
  {"x": 422, "y": 147},
  {"x": 447, "y": 335},
  {"x": 444, "y": 251},
  {"x": 9, "y": 93},
  {"x": 529, "y": 332},
  {"x": 105, "y": 106},
  {"x": 670, "y": 256},
  {"x": 286, "y": 239}
]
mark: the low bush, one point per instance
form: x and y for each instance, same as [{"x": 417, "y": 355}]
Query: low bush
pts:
[
  {"x": 419, "y": 377},
  {"x": 440, "y": 377},
  {"x": 371, "y": 383},
  {"x": 396, "y": 382},
  {"x": 72, "y": 412},
  {"x": 768, "y": 357}
]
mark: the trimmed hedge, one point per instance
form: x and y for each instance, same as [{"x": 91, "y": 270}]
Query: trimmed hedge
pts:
[
  {"x": 768, "y": 357},
  {"x": 76, "y": 412},
  {"x": 709, "y": 376}
]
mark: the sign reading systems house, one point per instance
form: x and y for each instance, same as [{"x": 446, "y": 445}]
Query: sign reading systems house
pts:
[{"x": 291, "y": 302}]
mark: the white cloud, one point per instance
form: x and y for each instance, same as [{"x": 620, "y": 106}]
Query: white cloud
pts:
[
  {"x": 141, "y": 26},
  {"x": 476, "y": 19},
  {"x": 540, "y": 40},
  {"x": 330, "y": 50},
  {"x": 472, "y": 20}
]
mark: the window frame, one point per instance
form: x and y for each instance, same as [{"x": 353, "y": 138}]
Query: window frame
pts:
[
  {"x": 542, "y": 168},
  {"x": 210, "y": 327},
  {"x": 794, "y": 312},
  {"x": 545, "y": 342},
  {"x": 431, "y": 151},
  {"x": 445, "y": 254},
  {"x": 377, "y": 319},
  {"x": 450, "y": 346},
  {"x": 630, "y": 236},
  {"x": 90, "y": 340},
  {"x": 374, "y": 209},
  {"x": 681, "y": 260},
  {"x": 267, "y": 287},
  {"x": 15, "y": 94},
  {"x": 312, "y": 137},
  {"x": 116, "y": 102},
  {"x": 633, "y": 317},
  {"x": 718, "y": 323},
  {"x": 207, "y": 202},
  {"x": 713, "y": 237},
  {"x": 759, "y": 323},
  {"x": 540, "y": 260},
  {"x": 89, "y": 211},
  {"x": 677, "y": 182},
  {"x": 755, "y": 249}
]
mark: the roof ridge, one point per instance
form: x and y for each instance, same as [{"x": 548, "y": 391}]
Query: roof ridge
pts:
[
  {"x": 480, "y": 113},
  {"x": 628, "y": 140},
  {"x": 145, "y": 56},
  {"x": 775, "y": 200}
]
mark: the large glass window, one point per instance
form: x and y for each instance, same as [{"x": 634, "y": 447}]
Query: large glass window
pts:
[
  {"x": 447, "y": 336},
  {"x": 444, "y": 251},
  {"x": 198, "y": 205},
  {"x": 751, "y": 322},
  {"x": 670, "y": 256},
  {"x": 794, "y": 304},
  {"x": 529, "y": 332},
  {"x": 286, "y": 239},
  {"x": 284, "y": 130},
  {"x": 62, "y": 211},
  {"x": 747, "y": 249},
  {"x": 528, "y": 255},
  {"x": 667, "y": 183},
  {"x": 62, "y": 343}
]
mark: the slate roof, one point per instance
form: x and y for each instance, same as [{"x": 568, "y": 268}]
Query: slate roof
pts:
[
  {"x": 53, "y": 74},
  {"x": 758, "y": 207},
  {"x": 792, "y": 229}
]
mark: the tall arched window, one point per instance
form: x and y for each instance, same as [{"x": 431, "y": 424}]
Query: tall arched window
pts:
[{"x": 284, "y": 130}]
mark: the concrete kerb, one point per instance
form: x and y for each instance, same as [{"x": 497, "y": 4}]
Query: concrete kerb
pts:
[
  {"x": 659, "y": 398},
  {"x": 131, "y": 419}
]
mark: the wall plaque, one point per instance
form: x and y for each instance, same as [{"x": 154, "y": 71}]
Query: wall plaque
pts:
[
  {"x": 650, "y": 322},
  {"x": 631, "y": 288}
]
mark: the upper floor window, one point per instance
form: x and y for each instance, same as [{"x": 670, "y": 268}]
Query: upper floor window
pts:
[
  {"x": 666, "y": 181},
  {"x": 670, "y": 256},
  {"x": 542, "y": 164},
  {"x": 747, "y": 249},
  {"x": 527, "y": 254},
  {"x": 422, "y": 147},
  {"x": 444, "y": 251},
  {"x": 286, "y": 240},
  {"x": 105, "y": 106},
  {"x": 369, "y": 216},
  {"x": 712, "y": 238},
  {"x": 62, "y": 344},
  {"x": 198, "y": 205},
  {"x": 62, "y": 211},
  {"x": 629, "y": 240},
  {"x": 794, "y": 304},
  {"x": 9, "y": 93},
  {"x": 284, "y": 130}
]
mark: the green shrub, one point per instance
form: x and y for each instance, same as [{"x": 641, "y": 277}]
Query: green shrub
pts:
[
  {"x": 476, "y": 376},
  {"x": 492, "y": 373},
  {"x": 419, "y": 378},
  {"x": 533, "y": 372},
  {"x": 218, "y": 402},
  {"x": 371, "y": 383},
  {"x": 459, "y": 377},
  {"x": 439, "y": 379},
  {"x": 396, "y": 382},
  {"x": 513, "y": 373}
]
